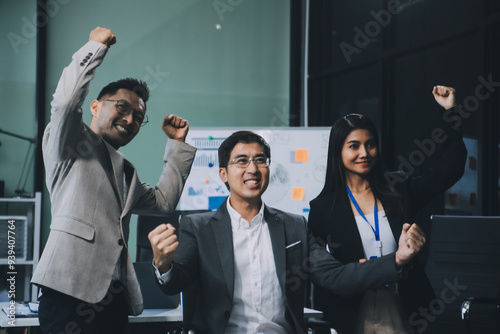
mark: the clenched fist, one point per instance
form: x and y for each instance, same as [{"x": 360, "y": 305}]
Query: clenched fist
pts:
[
  {"x": 164, "y": 243},
  {"x": 411, "y": 242},
  {"x": 445, "y": 96}
]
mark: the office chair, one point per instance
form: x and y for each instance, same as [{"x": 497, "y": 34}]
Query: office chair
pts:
[{"x": 481, "y": 314}]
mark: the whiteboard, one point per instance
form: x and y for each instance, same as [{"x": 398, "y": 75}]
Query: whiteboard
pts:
[{"x": 297, "y": 170}]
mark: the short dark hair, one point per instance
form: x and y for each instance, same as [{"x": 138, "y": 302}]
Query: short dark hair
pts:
[
  {"x": 137, "y": 86},
  {"x": 246, "y": 137}
]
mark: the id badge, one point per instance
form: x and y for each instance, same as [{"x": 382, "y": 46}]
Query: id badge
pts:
[{"x": 378, "y": 248}]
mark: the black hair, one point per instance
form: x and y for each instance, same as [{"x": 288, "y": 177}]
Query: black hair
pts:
[
  {"x": 137, "y": 86},
  {"x": 335, "y": 180},
  {"x": 246, "y": 137}
]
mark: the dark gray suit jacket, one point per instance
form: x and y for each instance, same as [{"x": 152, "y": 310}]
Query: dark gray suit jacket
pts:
[{"x": 205, "y": 257}]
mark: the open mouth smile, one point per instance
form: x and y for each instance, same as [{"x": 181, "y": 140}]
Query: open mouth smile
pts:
[{"x": 122, "y": 129}]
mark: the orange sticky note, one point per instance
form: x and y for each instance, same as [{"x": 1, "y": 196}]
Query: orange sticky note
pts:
[
  {"x": 298, "y": 193},
  {"x": 302, "y": 155}
]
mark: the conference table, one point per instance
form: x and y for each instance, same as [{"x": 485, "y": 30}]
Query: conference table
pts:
[{"x": 149, "y": 317}]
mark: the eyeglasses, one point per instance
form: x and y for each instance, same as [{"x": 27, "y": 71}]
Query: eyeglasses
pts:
[
  {"x": 244, "y": 162},
  {"x": 124, "y": 108}
]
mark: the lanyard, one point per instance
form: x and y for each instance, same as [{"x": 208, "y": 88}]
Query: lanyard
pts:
[{"x": 376, "y": 230}]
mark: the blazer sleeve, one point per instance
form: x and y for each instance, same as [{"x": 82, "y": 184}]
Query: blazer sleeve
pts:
[
  {"x": 65, "y": 131},
  {"x": 163, "y": 198},
  {"x": 352, "y": 278},
  {"x": 346, "y": 279},
  {"x": 444, "y": 174},
  {"x": 185, "y": 267}
]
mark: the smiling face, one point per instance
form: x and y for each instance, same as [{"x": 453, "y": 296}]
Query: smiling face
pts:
[
  {"x": 246, "y": 184},
  {"x": 359, "y": 153},
  {"x": 116, "y": 129}
]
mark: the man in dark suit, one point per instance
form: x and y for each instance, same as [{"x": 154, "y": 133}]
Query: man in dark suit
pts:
[{"x": 227, "y": 253}]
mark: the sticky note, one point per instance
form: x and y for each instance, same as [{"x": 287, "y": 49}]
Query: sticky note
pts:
[
  {"x": 298, "y": 193},
  {"x": 302, "y": 155}
]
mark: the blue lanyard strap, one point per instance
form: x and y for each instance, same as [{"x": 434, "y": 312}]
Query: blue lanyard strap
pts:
[{"x": 376, "y": 231}]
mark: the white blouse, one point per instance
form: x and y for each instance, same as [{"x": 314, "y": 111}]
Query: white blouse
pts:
[{"x": 389, "y": 244}]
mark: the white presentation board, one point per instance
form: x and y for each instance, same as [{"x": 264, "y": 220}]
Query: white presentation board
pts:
[{"x": 297, "y": 171}]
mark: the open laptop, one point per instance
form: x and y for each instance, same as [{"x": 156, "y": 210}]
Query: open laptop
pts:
[{"x": 153, "y": 296}]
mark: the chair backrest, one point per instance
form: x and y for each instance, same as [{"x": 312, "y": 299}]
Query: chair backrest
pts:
[
  {"x": 463, "y": 262},
  {"x": 466, "y": 249}
]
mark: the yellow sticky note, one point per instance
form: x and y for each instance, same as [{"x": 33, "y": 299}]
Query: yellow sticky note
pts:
[
  {"x": 298, "y": 193},
  {"x": 302, "y": 155}
]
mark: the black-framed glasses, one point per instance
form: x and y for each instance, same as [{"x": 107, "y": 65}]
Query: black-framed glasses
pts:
[
  {"x": 244, "y": 162},
  {"x": 124, "y": 108}
]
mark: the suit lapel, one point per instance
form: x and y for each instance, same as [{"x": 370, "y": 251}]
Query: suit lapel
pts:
[
  {"x": 221, "y": 227},
  {"x": 113, "y": 165},
  {"x": 132, "y": 182},
  {"x": 278, "y": 241}
]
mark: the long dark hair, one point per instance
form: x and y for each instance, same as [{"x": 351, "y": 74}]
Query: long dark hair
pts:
[{"x": 335, "y": 180}]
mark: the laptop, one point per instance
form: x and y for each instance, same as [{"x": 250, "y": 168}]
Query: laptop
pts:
[{"x": 153, "y": 296}]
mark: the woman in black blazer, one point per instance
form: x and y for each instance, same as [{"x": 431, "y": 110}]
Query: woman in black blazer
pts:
[{"x": 361, "y": 211}]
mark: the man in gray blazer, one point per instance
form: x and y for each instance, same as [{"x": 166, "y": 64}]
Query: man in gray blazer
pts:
[
  {"x": 85, "y": 273},
  {"x": 251, "y": 262}
]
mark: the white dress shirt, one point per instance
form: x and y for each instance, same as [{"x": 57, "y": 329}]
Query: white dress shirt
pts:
[{"x": 258, "y": 303}]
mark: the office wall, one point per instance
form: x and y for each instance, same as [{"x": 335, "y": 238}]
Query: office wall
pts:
[
  {"x": 17, "y": 91},
  {"x": 214, "y": 63}
]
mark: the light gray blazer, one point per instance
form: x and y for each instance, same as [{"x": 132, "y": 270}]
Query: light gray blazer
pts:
[{"x": 84, "y": 176}]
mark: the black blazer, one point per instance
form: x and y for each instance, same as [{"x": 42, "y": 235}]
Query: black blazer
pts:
[
  {"x": 336, "y": 226},
  {"x": 205, "y": 258}
]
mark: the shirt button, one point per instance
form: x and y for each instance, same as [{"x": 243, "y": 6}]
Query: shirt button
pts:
[
  {"x": 120, "y": 242},
  {"x": 226, "y": 314},
  {"x": 82, "y": 64}
]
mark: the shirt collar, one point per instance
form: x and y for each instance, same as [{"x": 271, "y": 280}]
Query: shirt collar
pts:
[{"x": 237, "y": 221}]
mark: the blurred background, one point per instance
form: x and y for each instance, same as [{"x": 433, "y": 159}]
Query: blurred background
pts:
[{"x": 264, "y": 63}]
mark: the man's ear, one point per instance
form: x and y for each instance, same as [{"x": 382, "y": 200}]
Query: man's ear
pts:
[
  {"x": 94, "y": 107},
  {"x": 223, "y": 174}
]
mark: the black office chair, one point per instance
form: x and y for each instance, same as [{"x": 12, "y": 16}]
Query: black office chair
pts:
[
  {"x": 465, "y": 249},
  {"x": 481, "y": 315}
]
